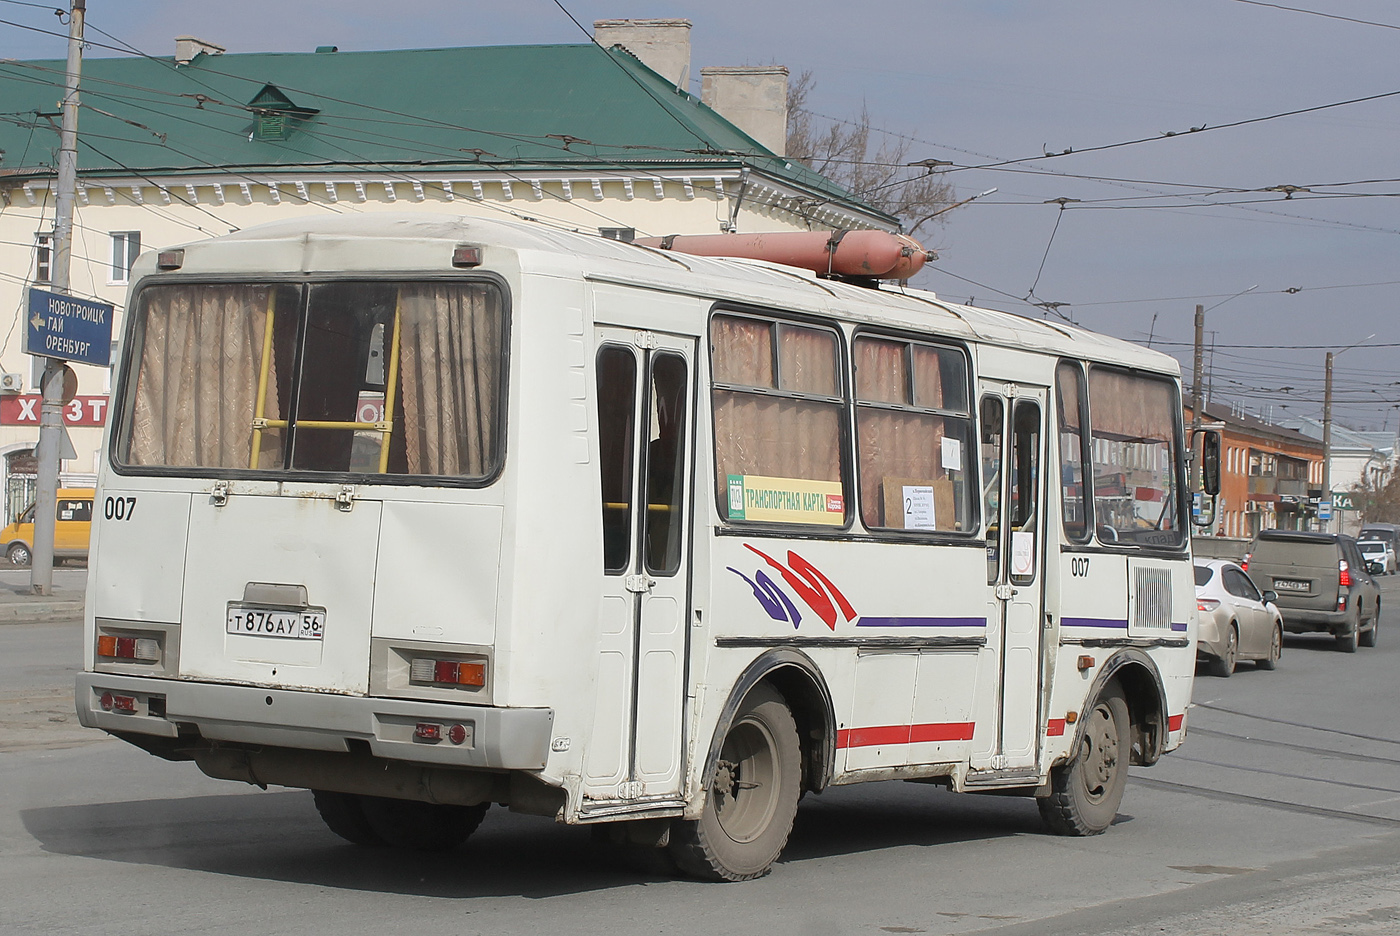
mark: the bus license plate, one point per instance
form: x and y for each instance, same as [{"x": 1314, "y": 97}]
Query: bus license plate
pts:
[
  {"x": 276, "y": 622},
  {"x": 1290, "y": 585}
]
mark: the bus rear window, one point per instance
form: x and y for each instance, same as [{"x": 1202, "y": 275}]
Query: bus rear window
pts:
[{"x": 360, "y": 378}]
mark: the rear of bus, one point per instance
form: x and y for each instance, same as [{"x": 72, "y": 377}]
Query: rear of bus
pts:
[{"x": 297, "y": 560}]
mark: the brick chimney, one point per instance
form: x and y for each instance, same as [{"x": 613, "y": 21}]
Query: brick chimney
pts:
[
  {"x": 753, "y": 98},
  {"x": 663, "y": 45},
  {"x": 188, "y": 47}
]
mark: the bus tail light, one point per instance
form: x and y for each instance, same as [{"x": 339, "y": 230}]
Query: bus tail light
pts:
[
  {"x": 112, "y": 702},
  {"x": 447, "y": 672},
  {"x": 146, "y": 649},
  {"x": 427, "y": 731}
]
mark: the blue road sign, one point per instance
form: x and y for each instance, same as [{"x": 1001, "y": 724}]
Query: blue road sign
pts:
[{"x": 68, "y": 328}]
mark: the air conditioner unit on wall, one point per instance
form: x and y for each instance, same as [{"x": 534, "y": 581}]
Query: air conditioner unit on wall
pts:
[{"x": 11, "y": 383}]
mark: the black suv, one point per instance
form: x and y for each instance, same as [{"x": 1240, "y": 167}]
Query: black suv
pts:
[{"x": 1322, "y": 584}]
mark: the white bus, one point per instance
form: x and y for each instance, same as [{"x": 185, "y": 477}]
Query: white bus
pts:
[{"x": 424, "y": 514}]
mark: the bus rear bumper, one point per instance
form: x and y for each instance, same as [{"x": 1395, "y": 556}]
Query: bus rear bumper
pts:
[{"x": 493, "y": 738}]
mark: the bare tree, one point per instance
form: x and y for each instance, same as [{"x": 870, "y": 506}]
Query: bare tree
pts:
[
  {"x": 1377, "y": 496},
  {"x": 841, "y": 151}
]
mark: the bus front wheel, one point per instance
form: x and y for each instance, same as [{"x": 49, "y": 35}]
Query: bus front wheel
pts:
[
  {"x": 1085, "y": 793},
  {"x": 751, "y": 797}
]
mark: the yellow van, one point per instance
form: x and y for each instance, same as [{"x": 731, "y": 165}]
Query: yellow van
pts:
[{"x": 71, "y": 531}]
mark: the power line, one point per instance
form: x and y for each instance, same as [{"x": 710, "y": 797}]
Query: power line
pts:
[
  {"x": 1171, "y": 134},
  {"x": 1346, "y": 19}
]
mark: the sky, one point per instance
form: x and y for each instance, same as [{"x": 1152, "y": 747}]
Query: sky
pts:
[{"x": 1167, "y": 217}]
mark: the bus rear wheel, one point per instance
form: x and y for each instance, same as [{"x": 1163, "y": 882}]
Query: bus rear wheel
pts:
[
  {"x": 751, "y": 798},
  {"x": 342, "y": 814},
  {"x": 378, "y": 820},
  {"x": 1085, "y": 793}
]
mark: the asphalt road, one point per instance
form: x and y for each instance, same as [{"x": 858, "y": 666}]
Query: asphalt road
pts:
[{"x": 1280, "y": 815}]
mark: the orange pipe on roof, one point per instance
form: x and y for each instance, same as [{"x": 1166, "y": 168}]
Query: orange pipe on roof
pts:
[{"x": 874, "y": 254}]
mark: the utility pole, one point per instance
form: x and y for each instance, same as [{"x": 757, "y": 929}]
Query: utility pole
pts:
[
  {"x": 51, "y": 431},
  {"x": 1327, "y": 444},
  {"x": 1196, "y": 388}
]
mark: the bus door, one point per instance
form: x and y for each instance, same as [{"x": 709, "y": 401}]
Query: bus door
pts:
[
  {"x": 645, "y": 431},
  {"x": 1012, "y": 431}
]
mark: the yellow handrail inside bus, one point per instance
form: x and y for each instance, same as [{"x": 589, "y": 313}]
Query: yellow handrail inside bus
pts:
[
  {"x": 262, "y": 377},
  {"x": 388, "y": 420}
]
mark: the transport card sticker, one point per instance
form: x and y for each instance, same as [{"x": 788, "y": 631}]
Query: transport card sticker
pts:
[
  {"x": 1022, "y": 553},
  {"x": 918, "y": 507},
  {"x": 786, "y": 500},
  {"x": 952, "y": 454}
]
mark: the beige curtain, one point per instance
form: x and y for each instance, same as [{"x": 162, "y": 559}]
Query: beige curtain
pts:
[
  {"x": 807, "y": 360},
  {"x": 197, "y": 377},
  {"x": 450, "y": 358},
  {"x": 1127, "y": 407},
  {"x": 743, "y": 351},
  {"x": 881, "y": 372}
]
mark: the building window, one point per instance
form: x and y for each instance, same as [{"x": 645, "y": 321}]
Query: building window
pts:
[
  {"x": 43, "y": 258},
  {"x": 126, "y": 246}
]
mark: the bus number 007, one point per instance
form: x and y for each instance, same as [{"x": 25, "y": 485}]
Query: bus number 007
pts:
[
  {"x": 1079, "y": 566},
  {"x": 119, "y": 508}
]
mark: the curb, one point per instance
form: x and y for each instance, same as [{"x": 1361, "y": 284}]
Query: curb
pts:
[{"x": 40, "y": 611}]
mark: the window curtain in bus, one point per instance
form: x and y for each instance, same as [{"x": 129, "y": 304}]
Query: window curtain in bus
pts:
[
  {"x": 450, "y": 359},
  {"x": 898, "y": 448},
  {"x": 1130, "y": 408},
  {"x": 772, "y": 436},
  {"x": 198, "y": 374}
]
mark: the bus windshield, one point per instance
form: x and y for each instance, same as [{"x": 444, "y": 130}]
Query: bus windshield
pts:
[{"x": 360, "y": 378}]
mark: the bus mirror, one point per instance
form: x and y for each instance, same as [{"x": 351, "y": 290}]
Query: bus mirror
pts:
[
  {"x": 1202, "y": 509},
  {"x": 1207, "y": 442}
]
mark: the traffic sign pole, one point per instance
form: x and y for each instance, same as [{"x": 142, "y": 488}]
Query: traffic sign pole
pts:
[{"x": 51, "y": 414}]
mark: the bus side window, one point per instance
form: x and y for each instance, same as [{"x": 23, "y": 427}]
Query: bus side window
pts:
[
  {"x": 666, "y": 463},
  {"x": 1069, "y": 404},
  {"x": 617, "y": 383},
  {"x": 991, "y": 419}
]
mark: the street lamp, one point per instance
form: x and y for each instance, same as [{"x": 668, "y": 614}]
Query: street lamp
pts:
[{"x": 1327, "y": 431}]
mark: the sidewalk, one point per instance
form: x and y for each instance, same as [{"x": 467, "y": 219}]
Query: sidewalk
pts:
[{"x": 19, "y": 605}]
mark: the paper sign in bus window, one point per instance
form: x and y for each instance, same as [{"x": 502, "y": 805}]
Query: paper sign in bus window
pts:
[
  {"x": 918, "y": 507},
  {"x": 1022, "y": 553},
  {"x": 786, "y": 500},
  {"x": 952, "y": 454}
]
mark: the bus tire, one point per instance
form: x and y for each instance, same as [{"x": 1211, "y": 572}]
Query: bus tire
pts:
[
  {"x": 342, "y": 814},
  {"x": 420, "y": 826},
  {"x": 19, "y": 555},
  {"x": 751, "y": 798},
  {"x": 1085, "y": 793}
]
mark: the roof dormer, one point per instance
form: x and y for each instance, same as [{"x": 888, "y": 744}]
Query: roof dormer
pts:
[{"x": 277, "y": 117}]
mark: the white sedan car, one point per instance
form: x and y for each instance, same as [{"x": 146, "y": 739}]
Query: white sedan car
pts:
[
  {"x": 1379, "y": 554},
  {"x": 1236, "y": 621}
]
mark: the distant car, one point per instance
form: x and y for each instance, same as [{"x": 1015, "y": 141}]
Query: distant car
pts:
[
  {"x": 1236, "y": 621},
  {"x": 1322, "y": 584},
  {"x": 1380, "y": 556},
  {"x": 72, "y": 527}
]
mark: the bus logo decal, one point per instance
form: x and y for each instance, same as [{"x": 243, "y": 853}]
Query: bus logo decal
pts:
[
  {"x": 774, "y": 600},
  {"x": 811, "y": 586}
]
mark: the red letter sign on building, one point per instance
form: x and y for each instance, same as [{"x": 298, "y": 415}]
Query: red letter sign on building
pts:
[{"x": 23, "y": 410}]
